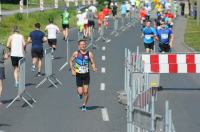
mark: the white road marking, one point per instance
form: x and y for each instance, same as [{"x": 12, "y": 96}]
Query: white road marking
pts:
[
  {"x": 103, "y": 58},
  {"x": 103, "y": 86},
  {"x": 103, "y": 48},
  {"x": 103, "y": 70},
  {"x": 104, "y": 113}
]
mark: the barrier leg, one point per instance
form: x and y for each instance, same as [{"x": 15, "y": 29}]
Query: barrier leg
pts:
[
  {"x": 30, "y": 96},
  {"x": 18, "y": 96},
  {"x": 56, "y": 79},
  {"x": 66, "y": 63},
  {"x": 27, "y": 101},
  {"x": 52, "y": 82},
  {"x": 42, "y": 82}
]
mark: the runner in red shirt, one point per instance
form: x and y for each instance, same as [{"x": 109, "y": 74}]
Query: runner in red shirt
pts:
[
  {"x": 106, "y": 11},
  {"x": 101, "y": 18},
  {"x": 169, "y": 14},
  {"x": 142, "y": 15}
]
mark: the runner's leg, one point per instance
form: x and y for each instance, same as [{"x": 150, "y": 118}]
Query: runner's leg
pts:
[{"x": 86, "y": 95}]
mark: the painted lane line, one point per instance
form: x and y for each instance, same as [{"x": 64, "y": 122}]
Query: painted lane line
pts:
[
  {"x": 103, "y": 70},
  {"x": 103, "y": 48},
  {"x": 104, "y": 113},
  {"x": 103, "y": 58},
  {"x": 103, "y": 86}
]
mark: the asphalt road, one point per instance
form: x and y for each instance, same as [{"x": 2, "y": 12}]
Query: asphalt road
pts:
[{"x": 58, "y": 109}]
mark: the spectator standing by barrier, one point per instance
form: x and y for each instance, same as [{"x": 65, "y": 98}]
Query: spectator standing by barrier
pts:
[{"x": 17, "y": 45}]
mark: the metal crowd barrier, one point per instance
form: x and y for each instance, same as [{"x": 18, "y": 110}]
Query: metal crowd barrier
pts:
[
  {"x": 49, "y": 70},
  {"x": 139, "y": 95},
  {"x": 67, "y": 61},
  {"x": 22, "y": 85}
]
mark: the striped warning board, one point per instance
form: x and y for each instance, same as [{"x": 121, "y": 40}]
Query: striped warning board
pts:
[{"x": 171, "y": 63}]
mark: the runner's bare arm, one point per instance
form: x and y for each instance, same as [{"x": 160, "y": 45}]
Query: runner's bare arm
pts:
[
  {"x": 24, "y": 43},
  {"x": 9, "y": 42},
  {"x": 71, "y": 62},
  {"x": 92, "y": 61},
  {"x": 44, "y": 39},
  {"x": 171, "y": 40},
  {"x": 29, "y": 40}
]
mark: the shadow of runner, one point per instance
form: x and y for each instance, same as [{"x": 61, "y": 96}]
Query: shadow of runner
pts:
[
  {"x": 25, "y": 104},
  {"x": 2, "y": 124},
  {"x": 8, "y": 101},
  {"x": 93, "y": 107}
]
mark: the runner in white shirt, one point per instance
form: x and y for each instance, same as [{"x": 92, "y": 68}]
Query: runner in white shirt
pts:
[
  {"x": 52, "y": 30},
  {"x": 93, "y": 8},
  {"x": 128, "y": 8},
  {"x": 80, "y": 21},
  {"x": 17, "y": 45}
]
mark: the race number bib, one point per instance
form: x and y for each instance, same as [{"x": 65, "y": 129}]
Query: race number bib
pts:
[
  {"x": 164, "y": 36},
  {"x": 83, "y": 69},
  {"x": 148, "y": 36}
]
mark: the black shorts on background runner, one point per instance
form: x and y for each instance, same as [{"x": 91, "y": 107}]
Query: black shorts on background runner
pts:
[
  {"x": 52, "y": 42},
  {"x": 149, "y": 46},
  {"x": 91, "y": 23},
  {"x": 15, "y": 60},
  {"x": 38, "y": 53},
  {"x": 65, "y": 26},
  {"x": 164, "y": 47},
  {"x": 82, "y": 79}
]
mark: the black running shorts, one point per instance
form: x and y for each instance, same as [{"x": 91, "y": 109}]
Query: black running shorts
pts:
[
  {"x": 91, "y": 23},
  {"x": 15, "y": 60},
  {"x": 82, "y": 79},
  {"x": 52, "y": 42},
  {"x": 65, "y": 26},
  {"x": 164, "y": 47},
  {"x": 149, "y": 46},
  {"x": 37, "y": 53}
]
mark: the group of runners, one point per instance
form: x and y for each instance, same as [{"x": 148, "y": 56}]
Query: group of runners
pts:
[
  {"x": 157, "y": 30},
  {"x": 160, "y": 29}
]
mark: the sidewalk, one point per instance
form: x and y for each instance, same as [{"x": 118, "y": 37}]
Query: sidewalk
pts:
[{"x": 179, "y": 32}]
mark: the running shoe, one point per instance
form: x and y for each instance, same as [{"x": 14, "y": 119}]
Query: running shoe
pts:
[
  {"x": 33, "y": 68},
  {"x": 39, "y": 74},
  {"x": 16, "y": 84},
  {"x": 52, "y": 57},
  {"x": 84, "y": 108},
  {"x": 80, "y": 96}
]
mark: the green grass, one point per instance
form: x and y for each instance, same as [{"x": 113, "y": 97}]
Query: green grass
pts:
[
  {"x": 192, "y": 35},
  {"x": 26, "y": 25}
]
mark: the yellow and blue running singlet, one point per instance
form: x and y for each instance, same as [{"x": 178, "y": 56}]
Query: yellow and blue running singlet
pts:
[{"x": 82, "y": 63}]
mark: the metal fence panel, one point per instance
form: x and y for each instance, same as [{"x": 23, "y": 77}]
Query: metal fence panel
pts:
[
  {"x": 48, "y": 62},
  {"x": 22, "y": 72}
]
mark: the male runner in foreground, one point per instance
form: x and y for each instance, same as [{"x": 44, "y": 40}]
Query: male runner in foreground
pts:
[{"x": 79, "y": 64}]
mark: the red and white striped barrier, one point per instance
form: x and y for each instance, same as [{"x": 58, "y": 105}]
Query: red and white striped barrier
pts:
[{"x": 171, "y": 63}]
